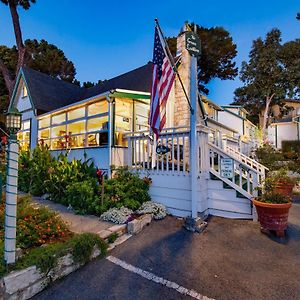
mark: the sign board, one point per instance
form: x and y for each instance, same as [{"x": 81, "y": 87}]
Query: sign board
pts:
[
  {"x": 226, "y": 167},
  {"x": 192, "y": 43}
]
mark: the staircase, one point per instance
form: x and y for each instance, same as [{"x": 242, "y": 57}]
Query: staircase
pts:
[{"x": 231, "y": 197}]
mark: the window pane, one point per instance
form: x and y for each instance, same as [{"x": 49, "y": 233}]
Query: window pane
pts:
[
  {"x": 76, "y": 141},
  {"x": 76, "y": 113},
  {"x": 97, "y": 124},
  {"x": 58, "y": 119},
  {"x": 77, "y": 127},
  {"x": 24, "y": 91},
  {"x": 124, "y": 108},
  {"x": 97, "y": 139},
  {"x": 98, "y": 108},
  {"x": 58, "y": 144},
  {"x": 59, "y": 131},
  {"x": 44, "y": 134},
  {"x": 44, "y": 122},
  {"x": 26, "y": 125}
]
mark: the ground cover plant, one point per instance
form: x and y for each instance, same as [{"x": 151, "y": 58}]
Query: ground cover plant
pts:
[{"x": 43, "y": 237}]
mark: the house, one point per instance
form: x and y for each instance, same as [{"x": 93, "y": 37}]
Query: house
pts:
[
  {"x": 109, "y": 124},
  {"x": 235, "y": 116},
  {"x": 284, "y": 122},
  {"x": 90, "y": 122}
]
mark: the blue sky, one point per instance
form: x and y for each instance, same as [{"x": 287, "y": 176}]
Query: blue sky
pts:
[{"x": 107, "y": 38}]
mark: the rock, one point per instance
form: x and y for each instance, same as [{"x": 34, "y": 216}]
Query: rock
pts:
[
  {"x": 104, "y": 233},
  {"x": 146, "y": 220},
  {"x": 134, "y": 226},
  {"x": 194, "y": 225},
  {"x": 118, "y": 228},
  {"x": 19, "y": 280},
  {"x": 45, "y": 197}
]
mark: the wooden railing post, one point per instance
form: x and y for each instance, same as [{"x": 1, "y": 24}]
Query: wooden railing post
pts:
[{"x": 129, "y": 157}]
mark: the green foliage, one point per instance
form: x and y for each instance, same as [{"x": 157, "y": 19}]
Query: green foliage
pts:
[
  {"x": 112, "y": 238},
  {"x": 36, "y": 226},
  {"x": 275, "y": 198},
  {"x": 271, "y": 75},
  {"x": 217, "y": 53},
  {"x": 291, "y": 147},
  {"x": 269, "y": 156},
  {"x": 23, "y": 3},
  {"x": 46, "y": 258},
  {"x": 82, "y": 196},
  {"x": 124, "y": 189}
]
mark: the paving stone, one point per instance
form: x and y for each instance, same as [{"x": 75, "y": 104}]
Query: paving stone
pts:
[
  {"x": 104, "y": 233},
  {"x": 118, "y": 228}
]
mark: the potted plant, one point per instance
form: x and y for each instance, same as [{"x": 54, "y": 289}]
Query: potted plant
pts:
[
  {"x": 273, "y": 210},
  {"x": 280, "y": 182}
]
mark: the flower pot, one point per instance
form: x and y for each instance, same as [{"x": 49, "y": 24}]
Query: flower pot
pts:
[
  {"x": 273, "y": 216},
  {"x": 284, "y": 188}
]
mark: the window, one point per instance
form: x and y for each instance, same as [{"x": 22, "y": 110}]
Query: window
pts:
[
  {"x": 23, "y": 135},
  {"x": 58, "y": 131},
  {"x": 76, "y": 113},
  {"x": 58, "y": 119},
  {"x": 76, "y": 128},
  {"x": 97, "y": 124},
  {"x": 100, "y": 107},
  {"x": 45, "y": 122},
  {"x": 141, "y": 116},
  {"x": 24, "y": 91}
]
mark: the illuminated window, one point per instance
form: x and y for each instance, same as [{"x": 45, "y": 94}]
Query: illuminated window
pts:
[
  {"x": 98, "y": 108},
  {"x": 24, "y": 135},
  {"x": 76, "y": 113},
  {"x": 141, "y": 116},
  {"x": 58, "y": 119},
  {"x": 58, "y": 131},
  {"x": 97, "y": 124},
  {"x": 24, "y": 91},
  {"x": 76, "y": 127},
  {"x": 45, "y": 122},
  {"x": 44, "y": 134}
]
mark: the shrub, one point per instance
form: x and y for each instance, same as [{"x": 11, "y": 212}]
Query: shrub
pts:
[
  {"x": 36, "y": 226},
  {"x": 269, "y": 156},
  {"x": 275, "y": 198},
  {"x": 117, "y": 215},
  {"x": 82, "y": 196},
  {"x": 291, "y": 147}
]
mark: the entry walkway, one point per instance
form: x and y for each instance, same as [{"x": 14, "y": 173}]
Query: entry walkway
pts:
[{"x": 77, "y": 223}]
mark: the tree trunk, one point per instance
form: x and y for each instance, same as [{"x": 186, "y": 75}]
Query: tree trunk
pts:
[
  {"x": 18, "y": 34},
  {"x": 266, "y": 114},
  {"x": 9, "y": 81}
]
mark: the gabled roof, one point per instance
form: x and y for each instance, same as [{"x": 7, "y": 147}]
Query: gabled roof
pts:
[{"x": 48, "y": 93}]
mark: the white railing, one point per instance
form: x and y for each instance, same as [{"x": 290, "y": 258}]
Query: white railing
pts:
[
  {"x": 143, "y": 156},
  {"x": 245, "y": 178},
  {"x": 246, "y": 160}
]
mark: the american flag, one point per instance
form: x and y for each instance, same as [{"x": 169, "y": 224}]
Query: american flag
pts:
[{"x": 162, "y": 81}]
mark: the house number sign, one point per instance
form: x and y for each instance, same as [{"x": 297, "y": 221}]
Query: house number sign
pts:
[{"x": 226, "y": 167}]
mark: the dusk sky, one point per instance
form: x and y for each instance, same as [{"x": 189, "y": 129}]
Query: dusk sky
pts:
[{"x": 107, "y": 38}]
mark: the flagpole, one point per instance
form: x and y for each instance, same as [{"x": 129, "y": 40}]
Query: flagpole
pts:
[{"x": 171, "y": 59}]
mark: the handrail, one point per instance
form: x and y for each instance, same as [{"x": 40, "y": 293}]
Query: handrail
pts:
[
  {"x": 247, "y": 158},
  {"x": 217, "y": 149}
]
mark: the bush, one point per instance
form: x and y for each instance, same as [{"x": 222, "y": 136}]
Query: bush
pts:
[
  {"x": 117, "y": 215},
  {"x": 269, "y": 157},
  {"x": 291, "y": 146},
  {"x": 82, "y": 196},
  {"x": 36, "y": 226},
  {"x": 158, "y": 210}
]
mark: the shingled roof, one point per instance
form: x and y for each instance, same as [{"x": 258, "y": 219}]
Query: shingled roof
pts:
[{"x": 48, "y": 93}]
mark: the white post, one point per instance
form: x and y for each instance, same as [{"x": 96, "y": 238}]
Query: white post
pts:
[
  {"x": 110, "y": 132},
  {"x": 11, "y": 200},
  {"x": 194, "y": 157}
]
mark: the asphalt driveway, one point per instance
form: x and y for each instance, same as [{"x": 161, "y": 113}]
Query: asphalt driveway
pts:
[{"x": 231, "y": 259}]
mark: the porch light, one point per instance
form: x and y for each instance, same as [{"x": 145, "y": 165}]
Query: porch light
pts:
[{"x": 13, "y": 121}]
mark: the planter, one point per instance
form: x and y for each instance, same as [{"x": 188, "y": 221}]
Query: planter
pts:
[
  {"x": 273, "y": 216},
  {"x": 284, "y": 188}
]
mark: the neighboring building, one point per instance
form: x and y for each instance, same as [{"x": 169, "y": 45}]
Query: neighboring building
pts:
[
  {"x": 284, "y": 123},
  {"x": 91, "y": 122}
]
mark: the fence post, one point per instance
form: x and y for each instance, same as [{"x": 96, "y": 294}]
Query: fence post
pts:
[{"x": 129, "y": 163}]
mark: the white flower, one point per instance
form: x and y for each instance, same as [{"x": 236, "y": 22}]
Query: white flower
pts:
[
  {"x": 117, "y": 215},
  {"x": 158, "y": 210}
]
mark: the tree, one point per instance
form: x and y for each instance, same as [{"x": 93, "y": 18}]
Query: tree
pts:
[
  {"x": 9, "y": 78},
  {"x": 298, "y": 16},
  {"x": 217, "y": 54},
  {"x": 270, "y": 75}
]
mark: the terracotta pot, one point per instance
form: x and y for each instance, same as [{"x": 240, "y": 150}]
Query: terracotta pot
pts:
[
  {"x": 284, "y": 188},
  {"x": 273, "y": 216}
]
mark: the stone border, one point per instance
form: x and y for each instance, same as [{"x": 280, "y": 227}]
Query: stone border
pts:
[{"x": 24, "y": 284}]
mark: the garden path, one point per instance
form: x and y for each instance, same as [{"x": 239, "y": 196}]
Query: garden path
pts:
[{"x": 77, "y": 223}]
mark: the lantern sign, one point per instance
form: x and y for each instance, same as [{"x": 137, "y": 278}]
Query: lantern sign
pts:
[
  {"x": 161, "y": 149},
  {"x": 192, "y": 44},
  {"x": 226, "y": 167}
]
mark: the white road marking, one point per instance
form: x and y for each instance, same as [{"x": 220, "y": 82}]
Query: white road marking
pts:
[{"x": 152, "y": 277}]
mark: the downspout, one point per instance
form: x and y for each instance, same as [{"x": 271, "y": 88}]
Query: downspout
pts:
[{"x": 110, "y": 120}]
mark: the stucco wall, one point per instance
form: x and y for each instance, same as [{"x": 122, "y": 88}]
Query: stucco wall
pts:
[{"x": 231, "y": 121}]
